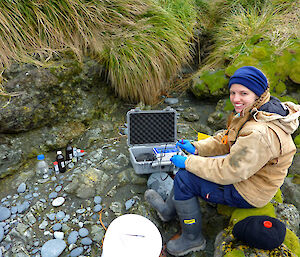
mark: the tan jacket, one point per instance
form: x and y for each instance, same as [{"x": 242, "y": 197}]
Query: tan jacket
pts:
[{"x": 260, "y": 150}]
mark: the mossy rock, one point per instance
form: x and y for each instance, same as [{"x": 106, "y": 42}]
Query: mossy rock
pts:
[
  {"x": 210, "y": 84},
  {"x": 295, "y": 73},
  {"x": 292, "y": 242},
  {"x": 240, "y": 214},
  {"x": 235, "y": 253}
]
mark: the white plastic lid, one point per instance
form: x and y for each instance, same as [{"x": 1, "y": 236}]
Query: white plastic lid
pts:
[{"x": 132, "y": 235}]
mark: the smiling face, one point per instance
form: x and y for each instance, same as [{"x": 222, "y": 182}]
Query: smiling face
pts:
[{"x": 241, "y": 97}]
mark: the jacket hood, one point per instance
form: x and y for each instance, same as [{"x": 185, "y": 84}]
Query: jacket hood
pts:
[{"x": 285, "y": 115}]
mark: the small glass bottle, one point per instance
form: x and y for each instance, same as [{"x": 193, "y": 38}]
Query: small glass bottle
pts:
[
  {"x": 41, "y": 166},
  {"x": 69, "y": 153},
  {"x": 61, "y": 162}
]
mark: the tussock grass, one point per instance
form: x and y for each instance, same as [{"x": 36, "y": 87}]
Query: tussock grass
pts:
[
  {"x": 141, "y": 43},
  {"x": 277, "y": 21}
]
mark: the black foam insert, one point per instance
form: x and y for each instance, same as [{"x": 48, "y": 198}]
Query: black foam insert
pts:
[{"x": 152, "y": 128}]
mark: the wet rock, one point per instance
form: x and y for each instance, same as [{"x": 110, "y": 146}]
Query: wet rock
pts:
[
  {"x": 97, "y": 233},
  {"x": 53, "y": 248},
  {"x": 88, "y": 183}
]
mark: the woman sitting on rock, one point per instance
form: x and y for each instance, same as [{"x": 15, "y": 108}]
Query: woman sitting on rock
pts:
[{"x": 258, "y": 149}]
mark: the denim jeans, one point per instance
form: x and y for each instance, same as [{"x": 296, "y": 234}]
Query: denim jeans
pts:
[{"x": 188, "y": 185}]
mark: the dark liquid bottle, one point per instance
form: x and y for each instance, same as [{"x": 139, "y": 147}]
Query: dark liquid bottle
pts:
[
  {"x": 69, "y": 153},
  {"x": 61, "y": 162}
]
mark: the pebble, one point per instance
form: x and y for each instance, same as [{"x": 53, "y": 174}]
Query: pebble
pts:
[
  {"x": 86, "y": 241},
  {"x": 60, "y": 215},
  {"x": 59, "y": 235},
  {"x": 97, "y": 199},
  {"x": 1, "y": 233},
  {"x": 4, "y": 213},
  {"x": 44, "y": 224},
  {"x": 80, "y": 211},
  {"x": 21, "y": 188},
  {"x": 76, "y": 252},
  {"x": 97, "y": 208},
  {"x": 72, "y": 239},
  {"x": 58, "y": 188},
  {"x": 51, "y": 216},
  {"x": 53, "y": 248},
  {"x": 171, "y": 101},
  {"x": 53, "y": 195},
  {"x": 58, "y": 201},
  {"x": 57, "y": 226},
  {"x": 129, "y": 203},
  {"x": 83, "y": 232}
]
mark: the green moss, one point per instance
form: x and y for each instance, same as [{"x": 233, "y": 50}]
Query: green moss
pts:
[
  {"x": 292, "y": 242},
  {"x": 295, "y": 73},
  {"x": 214, "y": 80},
  {"x": 240, "y": 214},
  {"x": 297, "y": 141},
  {"x": 296, "y": 179},
  {"x": 278, "y": 197},
  {"x": 228, "y": 105},
  {"x": 287, "y": 99},
  {"x": 235, "y": 253},
  {"x": 280, "y": 88},
  {"x": 260, "y": 53}
]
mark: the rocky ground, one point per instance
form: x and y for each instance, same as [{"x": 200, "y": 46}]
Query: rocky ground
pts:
[{"x": 65, "y": 214}]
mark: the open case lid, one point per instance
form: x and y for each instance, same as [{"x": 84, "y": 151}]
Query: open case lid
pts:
[{"x": 153, "y": 127}]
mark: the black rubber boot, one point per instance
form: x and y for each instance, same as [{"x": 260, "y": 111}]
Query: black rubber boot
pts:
[
  {"x": 165, "y": 209},
  {"x": 191, "y": 239}
]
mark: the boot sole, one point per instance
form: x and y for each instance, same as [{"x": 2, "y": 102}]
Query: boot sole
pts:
[{"x": 194, "y": 249}]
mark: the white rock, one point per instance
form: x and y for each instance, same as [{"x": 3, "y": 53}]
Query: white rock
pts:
[
  {"x": 58, "y": 201},
  {"x": 59, "y": 235}
]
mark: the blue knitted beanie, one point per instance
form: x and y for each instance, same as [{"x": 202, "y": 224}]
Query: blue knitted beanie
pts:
[{"x": 250, "y": 77}]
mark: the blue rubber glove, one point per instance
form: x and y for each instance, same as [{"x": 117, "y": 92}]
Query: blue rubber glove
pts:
[
  {"x": 186, "y": 145},
  {"x": 178, "y": 160}
]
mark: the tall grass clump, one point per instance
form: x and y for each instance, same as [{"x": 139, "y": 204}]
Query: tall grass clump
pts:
[
  {"x": 277, "y": 21},
  {"x": 147, "y": 52},
  {"x": 141, "y": 43}
]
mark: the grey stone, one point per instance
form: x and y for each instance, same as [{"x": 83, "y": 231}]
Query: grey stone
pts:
[
  {"x": 97, "y": 208},
  {"x": 72, "y": 238},
  {"x": 53, "y": 248},
  {"x": 1, "y": 233},
  {"x": 21, "y": 188},
  {"x": 83, "y": 232},
  {"x": 86, "y": 241},
  {"x": 76, "y": 252},
  {"x": 4, "y": 213},
  {"x": 57, "y": 227},
  {"x": 97, "y": 199}
]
